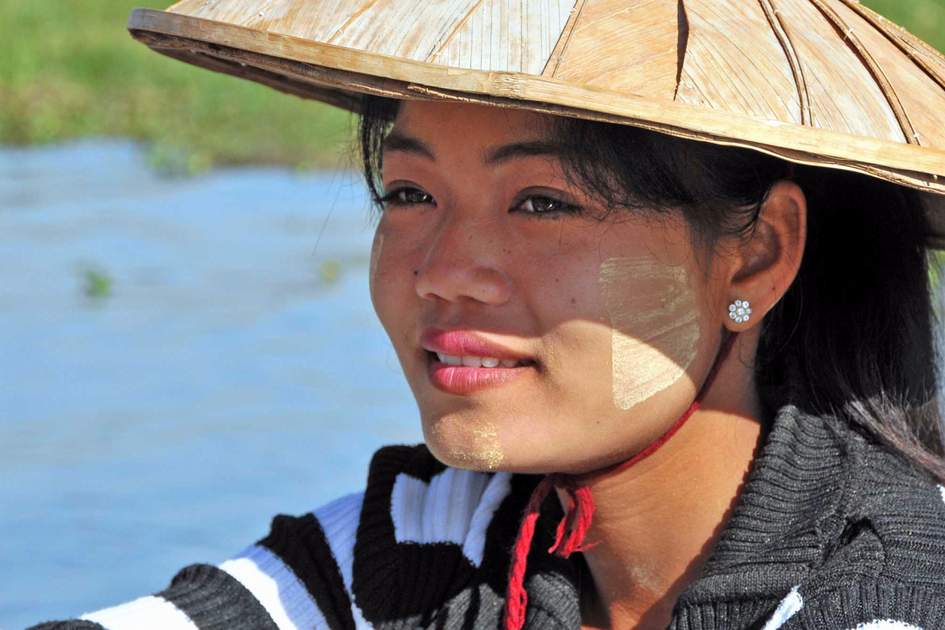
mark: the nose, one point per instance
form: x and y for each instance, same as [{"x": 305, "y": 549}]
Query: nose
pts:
[{"x": 463, "y": 260}]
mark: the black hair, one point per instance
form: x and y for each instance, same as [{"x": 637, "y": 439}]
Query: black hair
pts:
[{"x": 853, "y": 335}]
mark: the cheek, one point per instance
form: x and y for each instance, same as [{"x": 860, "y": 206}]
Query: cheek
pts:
[
  {"x": 654, "y": 317},
  {"x": 393, "y": 286},
  {"x": 386, "y": 278}
]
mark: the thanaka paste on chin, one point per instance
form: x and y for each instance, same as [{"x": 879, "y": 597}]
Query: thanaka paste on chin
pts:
[{"x": 477, "y": 443}]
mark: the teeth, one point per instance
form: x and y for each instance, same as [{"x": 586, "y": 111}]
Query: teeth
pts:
[
  {"x": 486, "y": 362},
  {"x": 449, "y": 360}
]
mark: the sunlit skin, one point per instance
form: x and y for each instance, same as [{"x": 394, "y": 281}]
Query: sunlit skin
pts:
[{"x": 477, "y": 235}]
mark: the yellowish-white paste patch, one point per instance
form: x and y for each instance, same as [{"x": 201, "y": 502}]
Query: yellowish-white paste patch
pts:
[
  {"x": 376, "y": 249},
  {"x": 655, "y": 325},
  {"x": 475, "y": 447}
]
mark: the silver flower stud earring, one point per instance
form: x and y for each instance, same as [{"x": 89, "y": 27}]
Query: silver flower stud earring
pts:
[{"x": 739, "y": 311}]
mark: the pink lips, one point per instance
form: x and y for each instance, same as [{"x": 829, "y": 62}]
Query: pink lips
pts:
[{"x": 457, "y": 379}]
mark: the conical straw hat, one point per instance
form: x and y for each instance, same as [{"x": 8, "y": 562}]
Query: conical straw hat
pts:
[{"x": 824, "y": 82}]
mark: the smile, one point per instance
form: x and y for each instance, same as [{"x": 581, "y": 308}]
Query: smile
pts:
[{"x": 475, "y": 362}]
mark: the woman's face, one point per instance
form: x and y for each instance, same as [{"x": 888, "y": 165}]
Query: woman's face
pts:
[{"x": 485, "y": 251}]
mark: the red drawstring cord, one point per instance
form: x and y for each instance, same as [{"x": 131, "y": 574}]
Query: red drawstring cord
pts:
[
  {"x": 580, "y": 509},
  {"x": 571, "y": 531}
]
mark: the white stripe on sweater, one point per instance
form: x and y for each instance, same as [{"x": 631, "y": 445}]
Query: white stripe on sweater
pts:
[
  {"x": 499, "y": 487},
  {"x": 788, "y": 607},
  {"x": 886, "y": 624},
  {"x": 339, "y": 520},
  {"x": 277, "y": 588},
  {"x": 146, "y": 613},
  {"x": 438, "y": 511},
  {"x": 455, "y": 507}
]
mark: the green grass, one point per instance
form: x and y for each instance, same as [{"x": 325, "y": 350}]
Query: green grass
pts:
[
  {"x": 925, "y": 18},
  {"x": 68, "y": 69}
]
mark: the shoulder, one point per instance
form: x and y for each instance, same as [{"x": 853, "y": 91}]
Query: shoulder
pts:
[
  {"x": 292, "y": 578},
  {"x": 832, "y": 530},
  {"x": 330, "y": 567},
  {"x": 882, "y": 562}
]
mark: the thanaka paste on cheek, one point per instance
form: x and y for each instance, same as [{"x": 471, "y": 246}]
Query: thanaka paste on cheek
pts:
[
  {"x": 655, "y": 325},
  {"x": 375, "y": 257}
]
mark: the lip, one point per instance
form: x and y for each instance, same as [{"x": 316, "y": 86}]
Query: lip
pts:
[
  {"x": 461, "y": 380},
  {"x": 460, "y": 343}
]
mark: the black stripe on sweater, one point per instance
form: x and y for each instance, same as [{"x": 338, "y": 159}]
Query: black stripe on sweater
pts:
[
  {"x": 407, "y": 580},
  {"x": 417, "y": 461},
  {"x": 299, "y": 541},
  {"x": 212, "y": 598},
  {"x": 75, "y": 624}
]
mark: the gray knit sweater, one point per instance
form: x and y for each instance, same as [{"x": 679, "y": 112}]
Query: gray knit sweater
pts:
[{"x": 830, "y": 531}]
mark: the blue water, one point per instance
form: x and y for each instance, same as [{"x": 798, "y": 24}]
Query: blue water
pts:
[{"x": 233, "y": 368}]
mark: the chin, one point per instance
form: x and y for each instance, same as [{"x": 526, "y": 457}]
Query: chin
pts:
[
  {"x": 467, "y": 460},
  {"x": 470, "y": 444}
]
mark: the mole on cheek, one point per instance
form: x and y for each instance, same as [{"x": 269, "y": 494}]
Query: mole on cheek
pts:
[{"x": 655, "y": 325}]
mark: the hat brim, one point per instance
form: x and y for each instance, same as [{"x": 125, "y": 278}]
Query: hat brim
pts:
[{"x": 341, "y": 77}]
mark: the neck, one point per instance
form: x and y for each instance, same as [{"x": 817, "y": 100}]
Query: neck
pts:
[{"x": 656, "y": 522}]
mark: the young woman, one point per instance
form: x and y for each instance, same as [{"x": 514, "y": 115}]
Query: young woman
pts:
[{"x": 662, "y": 381}]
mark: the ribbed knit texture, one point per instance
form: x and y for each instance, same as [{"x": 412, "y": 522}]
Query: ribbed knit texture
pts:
[{"x": 831, "y": 531}]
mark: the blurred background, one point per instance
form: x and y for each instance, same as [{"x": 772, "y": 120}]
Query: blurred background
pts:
[{"x": 185, "y": 326}]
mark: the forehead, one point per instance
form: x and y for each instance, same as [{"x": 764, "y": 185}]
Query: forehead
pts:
[{"x": 485, "y": 124}]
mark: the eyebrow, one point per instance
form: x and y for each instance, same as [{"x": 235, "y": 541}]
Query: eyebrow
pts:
[{"x": 396, "y": 141}]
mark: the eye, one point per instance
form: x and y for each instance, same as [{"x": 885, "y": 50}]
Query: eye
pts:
[
  {"x": 546, "y": 206},
  {"x": 406, "y": 196}
]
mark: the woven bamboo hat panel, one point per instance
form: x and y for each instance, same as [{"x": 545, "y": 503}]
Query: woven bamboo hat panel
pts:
[{"x": 824, "y": 82}]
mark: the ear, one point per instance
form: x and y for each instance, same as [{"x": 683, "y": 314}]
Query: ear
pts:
[{"x": 766, "y": 262}]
